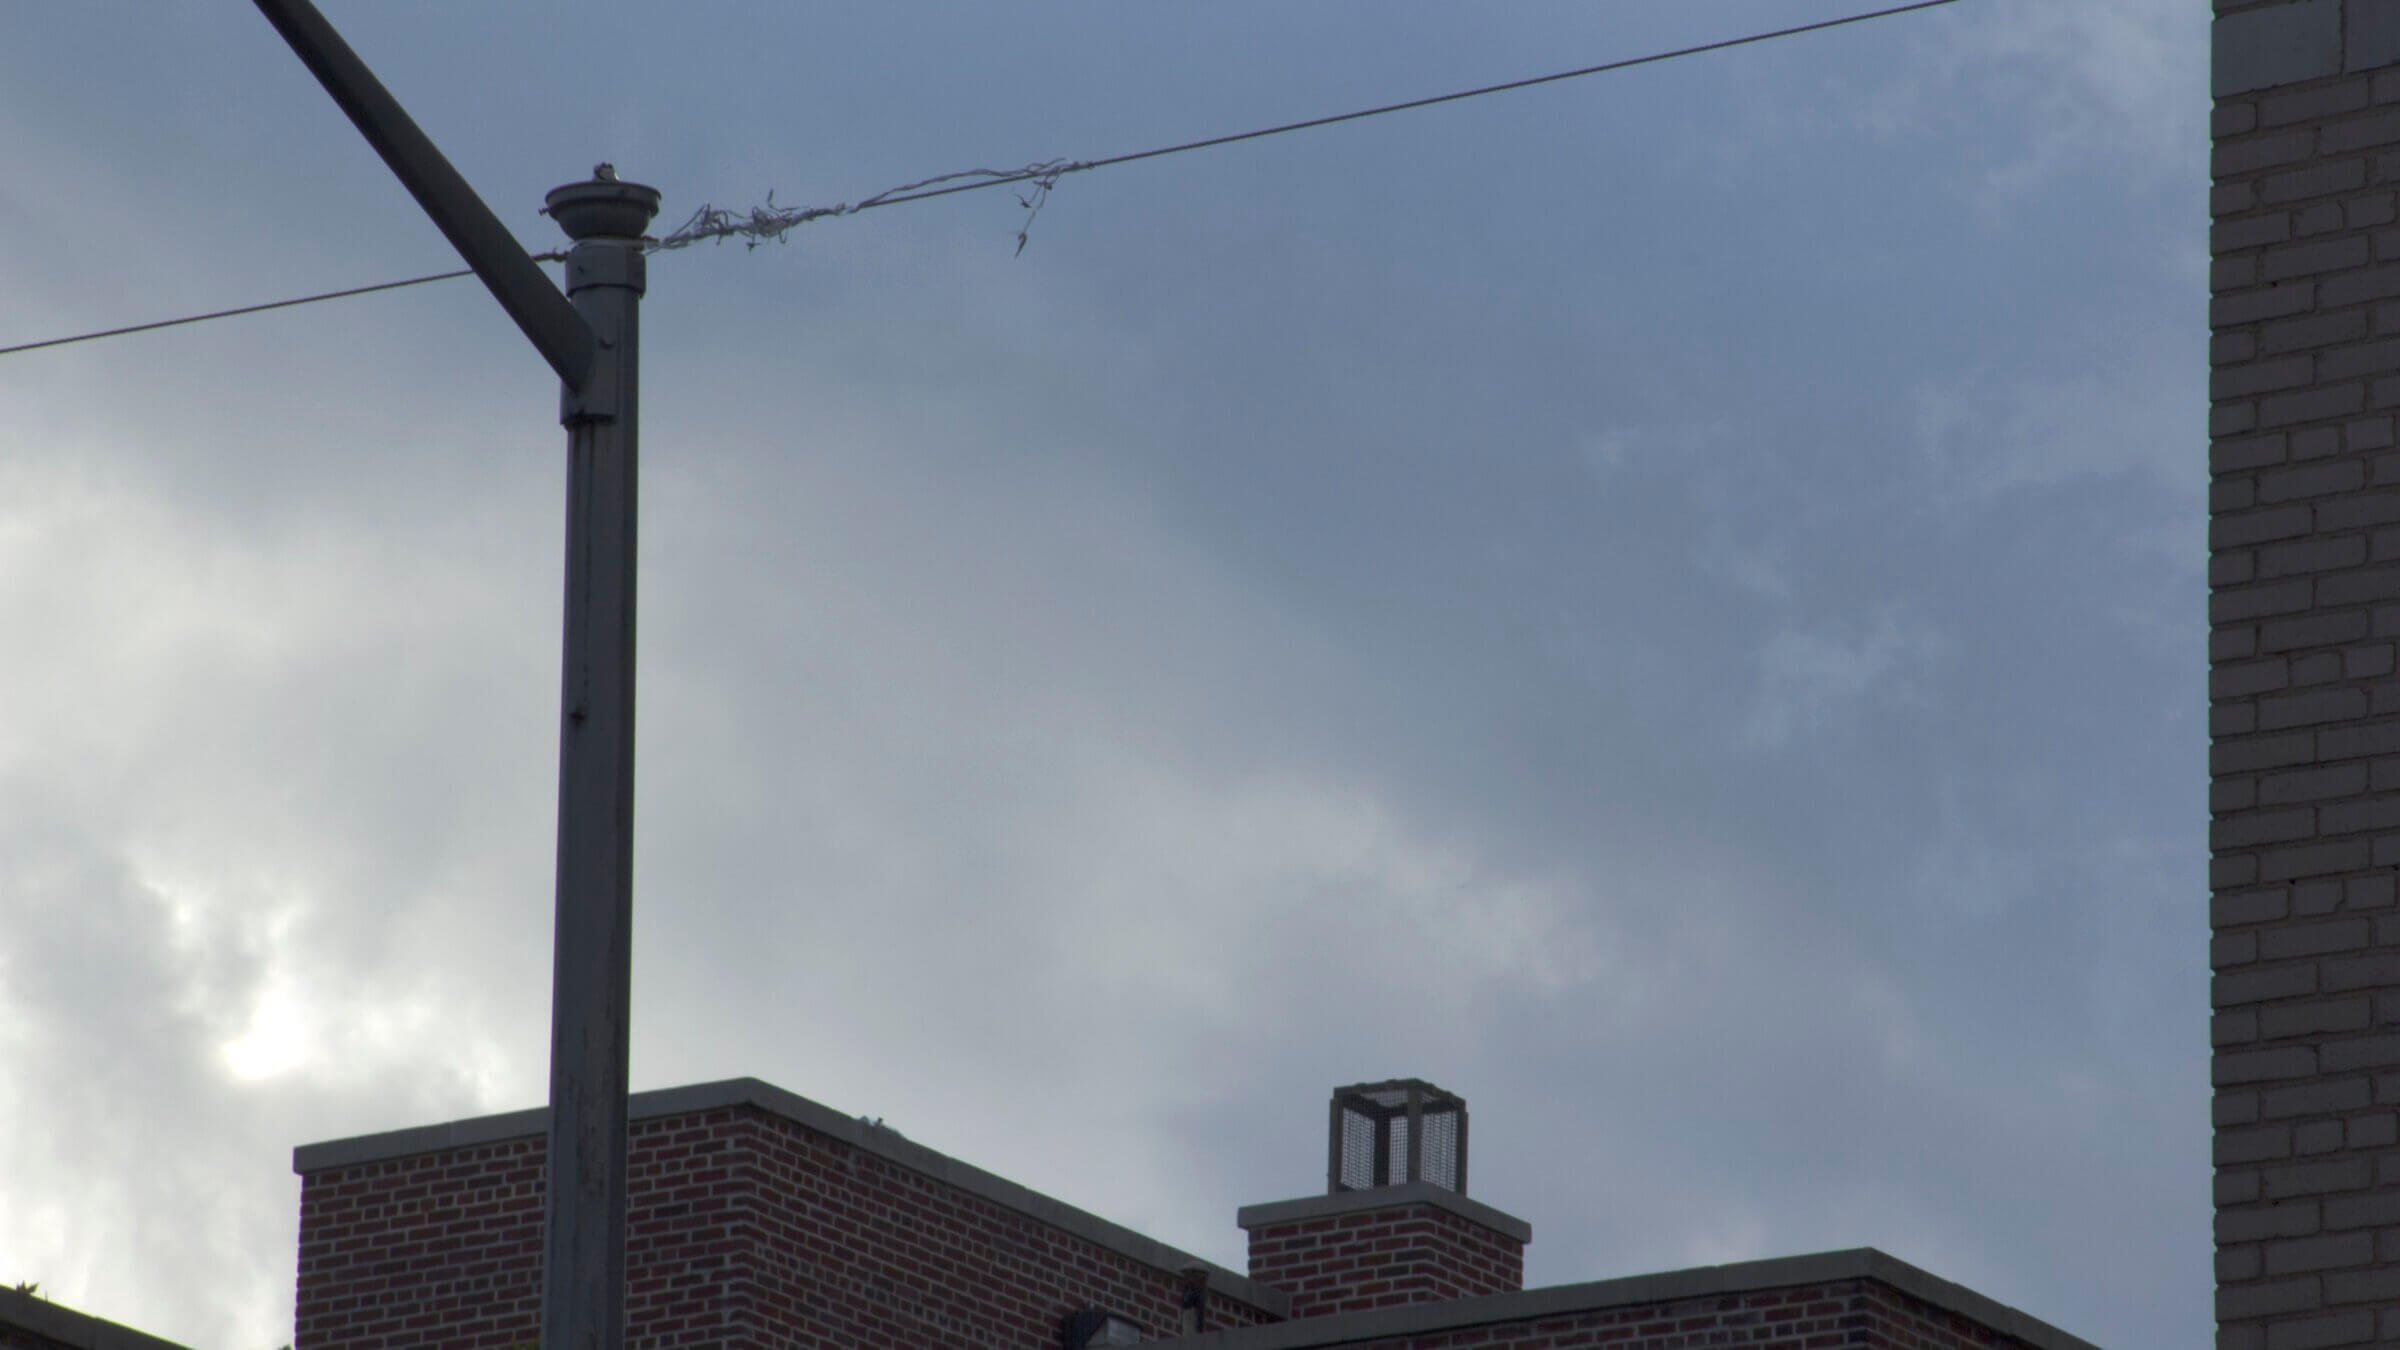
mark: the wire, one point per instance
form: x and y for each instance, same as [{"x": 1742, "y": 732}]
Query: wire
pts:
[
  {"x": 255, "y": 309},
  {"x": 772, "y": 221},
  {"x": 229, "y": 313}
]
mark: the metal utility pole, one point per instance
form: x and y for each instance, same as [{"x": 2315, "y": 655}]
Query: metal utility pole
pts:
[
  {"x": 590, "y": 337},
  {"x": 591, "y": 969}
]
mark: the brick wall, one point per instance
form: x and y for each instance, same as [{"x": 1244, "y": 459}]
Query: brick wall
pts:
[
  {"x": 761, "y": 1221},
  {"x": 2304, "y": 608},
  {"x": 1376, "y": 1258},
  {"x": 855, "y": 1250},
  {"x": 1852, "y": 1312},
  {"x": 747, "y": 1229}
]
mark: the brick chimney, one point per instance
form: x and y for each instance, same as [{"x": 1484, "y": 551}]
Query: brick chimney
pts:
[{"x": 1395, "y": 1224}]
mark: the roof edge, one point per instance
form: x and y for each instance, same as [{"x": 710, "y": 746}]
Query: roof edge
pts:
[
  {"x": 1416, "y": 1319},
  {"x": 1383, "y": 1197},
  {"x": 857, "y": 1132},
  {"x": 31, "y": 1312}
]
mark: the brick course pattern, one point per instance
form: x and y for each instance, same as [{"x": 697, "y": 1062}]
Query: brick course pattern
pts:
[
  {"x": 1861, "y": 1312},
  {"x": 761, "y": 1220},
  {"x": 745, "y": 1230},
  {"x": 1379, "y": 1258},
  {"x": 2304, "y": 709}
]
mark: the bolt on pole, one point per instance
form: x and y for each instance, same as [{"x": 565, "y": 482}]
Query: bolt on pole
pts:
[{"x": 583, "y": 1253}]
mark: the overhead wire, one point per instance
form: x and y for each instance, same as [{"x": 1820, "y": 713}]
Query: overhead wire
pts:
[
  {"x": 772, "y": 222},
  {"x": 260, "y": 308},
  {"x": 231, "y": 313}
]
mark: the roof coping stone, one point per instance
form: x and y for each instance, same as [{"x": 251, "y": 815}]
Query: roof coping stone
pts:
[
  {"x": 869, "y": 1137},
  {"x": 1383, "y": 1197},
  {"x": 1420, "y": 1319}
]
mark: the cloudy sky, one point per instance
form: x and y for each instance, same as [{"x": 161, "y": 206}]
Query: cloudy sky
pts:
[{"x": 1669, "y": 604}]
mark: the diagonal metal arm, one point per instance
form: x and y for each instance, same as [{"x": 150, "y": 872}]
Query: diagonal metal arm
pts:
[{"x": 560, "y": 334}]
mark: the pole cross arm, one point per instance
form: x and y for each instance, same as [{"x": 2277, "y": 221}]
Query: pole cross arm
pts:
[{"x": 560, "y": 334}]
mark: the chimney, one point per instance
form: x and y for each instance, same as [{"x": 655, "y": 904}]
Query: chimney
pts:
[{"x": 1395, "y": 1224}]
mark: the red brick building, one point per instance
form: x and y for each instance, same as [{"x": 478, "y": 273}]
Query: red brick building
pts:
[{"x": 763, "y": 1221}]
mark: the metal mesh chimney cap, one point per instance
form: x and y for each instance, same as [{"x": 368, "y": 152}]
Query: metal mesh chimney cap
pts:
[{"x": 1396, "y": 1132}]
